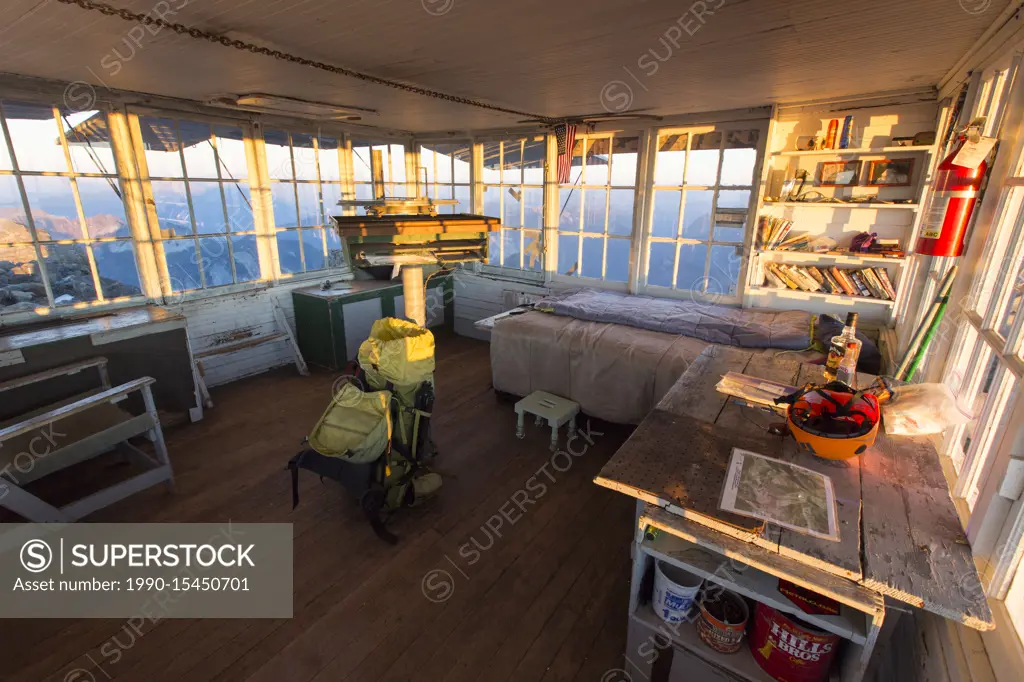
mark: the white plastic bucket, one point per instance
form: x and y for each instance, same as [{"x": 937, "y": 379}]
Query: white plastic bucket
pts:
[{"x": 675, "y": 592}]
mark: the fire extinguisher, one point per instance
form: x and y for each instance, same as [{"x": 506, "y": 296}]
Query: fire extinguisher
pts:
[{"x": 955, "y": 195}]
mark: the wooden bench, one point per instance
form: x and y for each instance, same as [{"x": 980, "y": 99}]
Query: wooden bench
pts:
[{"x": 75, "y": 430}]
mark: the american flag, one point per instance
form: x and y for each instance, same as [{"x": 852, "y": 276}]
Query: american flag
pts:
[{"x": 565, "y": 136}]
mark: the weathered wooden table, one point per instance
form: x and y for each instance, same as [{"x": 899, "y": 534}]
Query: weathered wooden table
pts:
[{"x": 900, "y": 536}]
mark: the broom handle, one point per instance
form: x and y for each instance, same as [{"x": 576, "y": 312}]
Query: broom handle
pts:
[
  {"x": 929, "y": 335},
  {"x": 922, "y": 330}
]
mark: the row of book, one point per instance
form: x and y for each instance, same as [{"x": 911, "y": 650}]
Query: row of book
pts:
[
  {"x": 868, "y": 282},
  {"x": 772, "y": 231}
]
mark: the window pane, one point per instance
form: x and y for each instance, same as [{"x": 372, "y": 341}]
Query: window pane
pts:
[
  {"x": 288, "y": 251},
  {"x": 364, "y": 192},
  {"x": 594, "y": 205},
  {"x": 119, "y": 274},
  {"x": 533, "y": 162},
  {"x": 172, "y": 207},
  {"x": 660, "y": 270},
  {"x": 239, "y": 203},
  {"x": 533, "y": 255},
  {"x": 533, "y": 209},
  {"x": 704, "y": 157},
  {"x": 738, "y": 166},
  {"x": 492, "y": 163},
  {"x": 568, "y": 254},
  {"x": 494, "y": 248},
  {"x": 620, "y": 212},
  {"x": 665, "y": 222},
  {"x": 511, "y": 217},
  {"x": 396, "y": 172},
  {"x": 668, "y": 166},
  {"x": 734, "y": 198},
  {"x": 231, "y": 152},
  {"x": 335, "y": 250},
  {"x": 283, "y": 196},
  {"x": 309, "y": 205},
  {"x": 690, "y": 272},
  {"x": 199, "y": 159},
  {"x": 463, "y": 157},
  {"x": 427, "y": 161},
  {"x": 67, "y": 266},
  {"x": 53, "y": 207},
  {"x": 511, "y": 248},
  {"x": 182, "y": 264},
  {"x": 279, "y": 158},
  {"x": 89, "y": 154},
  {"x": 443, "y": 163},
  {"x": 13, "y": 220},
  {"x": 104, "y": 210},
  {"x": 5, "y": 157},
  {"x": 247, "y": 260},
  {"x": 598, "y": 158},
  {"x": 1009, "y": 314},
  {"x": 216, "y": 261},
  {"x": 160, "y": 140},
  {"x": 361, "y": 168},
  {"x": 616, "y": 268},
  {"x": 305, "y": 156},
  {"x": 35, "y": 137},
  {"x": 512, "y": 163},
  {"x": 207, "y": 207},
  {"x": 332, "y": 194},
  {"x": 624, "y": 160},
  {"x": 593, "y": 257},
  {"x": 23, "y": 288},
  {"x": 730, "y": 226},
  {"x": 697, "y": 214},
  {"x": 724, "y": 273},
  {"x": 462, "y": 194},
  {"x": 569, "y": 210},
  {"x": 313, "y": 248},
  {"x": 492, "y": 201},
  {"x": 330, "y": 169}
]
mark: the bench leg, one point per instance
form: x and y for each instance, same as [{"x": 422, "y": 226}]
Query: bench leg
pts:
[
  {"x": 520, "y": 426},
  {"x": 31, "y": 507},
  {"x": 157, "y": 436},
  {"x": 554, "y": 436}
]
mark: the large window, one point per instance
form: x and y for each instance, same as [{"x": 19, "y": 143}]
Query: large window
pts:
[
  {"x": 703, "y": 186},
  {"x": 513, "y": 177},
  {"x": 198, "y": 183},
  {"x": 595, "y": 208},
  {"x": 305, "y": 186},
  {"x": 447, "y": 171},
  {"x": 64, "y": 237}
]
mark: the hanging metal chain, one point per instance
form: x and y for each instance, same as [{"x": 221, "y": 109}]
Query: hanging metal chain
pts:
[{"x": 199, "y": 34}]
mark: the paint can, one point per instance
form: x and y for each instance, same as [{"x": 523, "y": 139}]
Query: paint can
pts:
[
  {"x": 790, "y": 650},
  {"x": 675, "y": 592},
  {"x": 723, "y": 620}
]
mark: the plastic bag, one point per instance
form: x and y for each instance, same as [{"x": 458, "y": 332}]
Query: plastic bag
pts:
[{"x": 920, "y": 409}]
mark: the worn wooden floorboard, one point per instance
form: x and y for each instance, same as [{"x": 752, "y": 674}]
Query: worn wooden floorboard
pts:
[{"x": 559, "y": 574}]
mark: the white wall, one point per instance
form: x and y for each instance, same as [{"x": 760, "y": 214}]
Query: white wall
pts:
[{"x": 478, "y": 296}]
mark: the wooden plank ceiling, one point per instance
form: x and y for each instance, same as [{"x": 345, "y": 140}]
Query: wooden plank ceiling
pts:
[{"x": 547, "y": 57}]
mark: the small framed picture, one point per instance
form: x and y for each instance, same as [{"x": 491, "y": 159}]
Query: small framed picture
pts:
[
  {"x": 839, "y": 173},
  {"x": 890, "y": 172}
]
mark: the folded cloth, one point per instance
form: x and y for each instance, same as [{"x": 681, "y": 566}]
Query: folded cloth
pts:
[{"x": 787, "y": 330}]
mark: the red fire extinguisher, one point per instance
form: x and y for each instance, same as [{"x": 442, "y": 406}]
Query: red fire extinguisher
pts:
[{"x": 944, "y": 225}]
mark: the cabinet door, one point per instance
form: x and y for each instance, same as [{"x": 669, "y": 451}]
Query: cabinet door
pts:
[{"x": 359, "y": 317}]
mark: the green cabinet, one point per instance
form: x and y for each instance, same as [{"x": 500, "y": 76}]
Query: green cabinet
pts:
[{"x": 330, "y": 325}]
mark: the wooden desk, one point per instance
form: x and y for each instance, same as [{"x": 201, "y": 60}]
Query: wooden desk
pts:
[{"x": 894, "y": 507}]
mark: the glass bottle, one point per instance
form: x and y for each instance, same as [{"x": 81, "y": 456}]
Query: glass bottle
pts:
[
  {"x": 837, "y": 346},
  {"x": 847, "y": 372}
]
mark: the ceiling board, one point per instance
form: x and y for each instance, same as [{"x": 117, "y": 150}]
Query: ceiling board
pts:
[{"x": 547, "y": 57}]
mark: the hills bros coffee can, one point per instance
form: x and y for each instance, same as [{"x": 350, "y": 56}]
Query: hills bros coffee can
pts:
[{"x": 789, "y": 650}]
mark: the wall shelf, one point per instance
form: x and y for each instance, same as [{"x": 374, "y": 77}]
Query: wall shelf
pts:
[
  {"x": 839, "y": 206},
  {"x": 818, "y": 296},
  {"x": 839, "y": 259},
  {"x": 855, "y": 152}
]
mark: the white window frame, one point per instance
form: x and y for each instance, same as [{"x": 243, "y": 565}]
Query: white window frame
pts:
[
  {"x": 502, "y": 188},
  {"x": 581, "y": 185},
  {"x": 648, "y": 238},
  {"x": 86, "y": 240}
]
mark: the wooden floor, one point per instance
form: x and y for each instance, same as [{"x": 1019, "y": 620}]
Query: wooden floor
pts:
[{"x": 545, "y": 598}]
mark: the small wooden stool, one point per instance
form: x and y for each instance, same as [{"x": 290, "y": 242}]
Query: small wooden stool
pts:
[{"x": 556, "y": 410}]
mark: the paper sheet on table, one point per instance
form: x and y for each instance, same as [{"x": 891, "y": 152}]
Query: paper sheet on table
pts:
[
  {"x": 785, "y": 494},
  {"x": 753, "y": 389}
]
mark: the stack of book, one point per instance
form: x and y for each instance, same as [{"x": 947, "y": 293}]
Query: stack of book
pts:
[
  {"x": 890, "y": 248},
  {"x": 867, "y": 282},
  {"x": 773, "y": 231}
]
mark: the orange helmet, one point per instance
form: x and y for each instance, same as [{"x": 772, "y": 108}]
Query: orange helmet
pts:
[{"x": 833, "y": 421}]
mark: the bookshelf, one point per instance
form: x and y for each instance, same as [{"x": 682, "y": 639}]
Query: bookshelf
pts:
[{"x": 842, "y": 212}]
